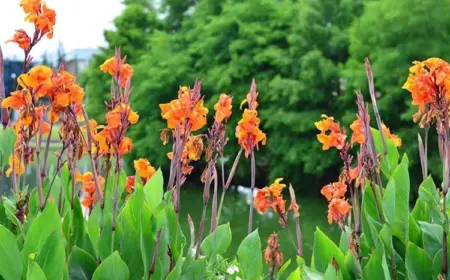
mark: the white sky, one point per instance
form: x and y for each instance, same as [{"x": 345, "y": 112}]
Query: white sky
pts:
[{"x": 79, "y": 24}]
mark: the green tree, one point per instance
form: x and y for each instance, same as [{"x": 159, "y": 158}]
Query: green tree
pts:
[
  {"x": 393, "y": 34},
  {"x": 132, "y": 32},
  {"x": 292, "y": 48}
]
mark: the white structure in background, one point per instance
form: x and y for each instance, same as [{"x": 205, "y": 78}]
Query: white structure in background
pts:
[{"x": 78, "y": 60}]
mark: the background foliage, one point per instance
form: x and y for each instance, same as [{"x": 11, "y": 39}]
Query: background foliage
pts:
[{"x": 306, "y": 55}]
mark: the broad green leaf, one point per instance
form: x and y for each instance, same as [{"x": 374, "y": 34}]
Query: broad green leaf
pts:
[
  {"x": 333, "y": 273},
  {"x": 196, "y": 270},
  {"x": 94, "y": 225},
  {"x": 249, "y": 256},
  {"x": 421, "y": 211},
  {"x": 35, "y": 272},
  {"x": 112, "y": 268},
  {"x": 81, "y": 264},
  {"x": 78, "y": 224},
  {"x": 154, "y": 190},
  {"x": 42, "y": 227},
  {"x": 10, "y": 211},
  {"x": 432, "y": 238},
  {"x": 386, "y": 237},
  {"x": 10, "y": 258},
  {"x": 295, "y": 275},
  {"x": 51, "y": 256},
  {"x": 370, "y": 217},
  {"x": 388, "y": 162},
  {"x": 402, "y": 186},
  {"x": 217, "y": 242},
  {"x": 350, "y": 264},
  {"x": 106, "y": 238},
  {"x": 389, "y": 203},
  {"x": 282, "y": 270},
  {"x": 428, "y": 195},
  {"x": 343, "y": 241},
  {"x": 418, "y": 265},
  {"x": 415, "y": 234},
  {"x": 377, "y": 267},
  {"x": 7, "y": 141},
  {"x": 324, "y": 251},
  {"x": 104, "y": 242},
  {"x": 135, "y": 218},
  {"x": 176, "y": 238}
]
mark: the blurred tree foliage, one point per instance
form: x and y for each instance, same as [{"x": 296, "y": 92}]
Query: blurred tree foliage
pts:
[{"x": 306, "y": 56}]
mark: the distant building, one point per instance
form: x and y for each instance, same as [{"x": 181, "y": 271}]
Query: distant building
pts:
[{"x": 77, "y": 60}]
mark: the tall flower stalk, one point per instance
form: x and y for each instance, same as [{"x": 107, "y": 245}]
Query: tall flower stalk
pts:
[{"x": 249, "y": 136}]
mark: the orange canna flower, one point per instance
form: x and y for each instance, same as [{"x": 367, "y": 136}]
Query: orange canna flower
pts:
[
  {"x": 271, "y": 197},
  {"x": 396, "y": 140},
  {"x": 102, "y": 140},
  {"x": 111, "y": 66},
  {"x": 276, "y": 187},
  {"x": 426, "y": 78},
  {"x": 89, "y": 188},
  {"x": 31, "y": 6},
  {"x": 119, "y": 69},
  {"x": 338, "y": 209},
  {"x": 45, "y": 21},
  {"x": 125, "y": 146},
  {"x": 261, "y": 200},
  {"x": 129, "y": 187},
  {"x": 114, "y": 118},
  {"x": 83, "y": 178},
  {"x": 18, "y": 100},
  {"x": 358, "y": 135},
  {"x": 178, "y": 111},
  {"x": 334, "y": 190},
  {"x": 16, "y": 164},
  {"x": 223, "y": 108},
  {"x": 38, "y": 78},
  {"x": 88, "y": 200},
  {"x": 22, "y": 39},
  {"x": 126, "y": 72},
  {"x": 248, "y": 132},
  {"x": 193, "y": 148},
  {"x": 331, "y": 134},
  {"x": 76, "y": 93},
  {"x": 144, "y": 169},
  {"x": 279, "y": 205}
]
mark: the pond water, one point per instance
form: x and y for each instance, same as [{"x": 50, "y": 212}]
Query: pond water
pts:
[{"x": 313, "y": 213}]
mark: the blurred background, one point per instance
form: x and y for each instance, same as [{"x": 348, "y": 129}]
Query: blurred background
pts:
[{"x": 307, "y": 57}]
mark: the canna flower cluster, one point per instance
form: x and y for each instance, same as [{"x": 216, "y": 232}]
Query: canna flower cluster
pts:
[
  {"x": 216, "y": 137},
  {"x": 88, "y": 186},
  {"x": 338, "y": 207},
  {"x": 144, "y": 170},
  {"x": 247, "y": 131},
  {"x": 331, "y": 134},
  {"x": 111, "y": 138},
  {"x": 429, "y": 85},
  {"x": 187, "y": 112},
  {"x": 272, "y": 197},
  {"x": 184, "y": 115},
  {"x": 43, "y": 19}
]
